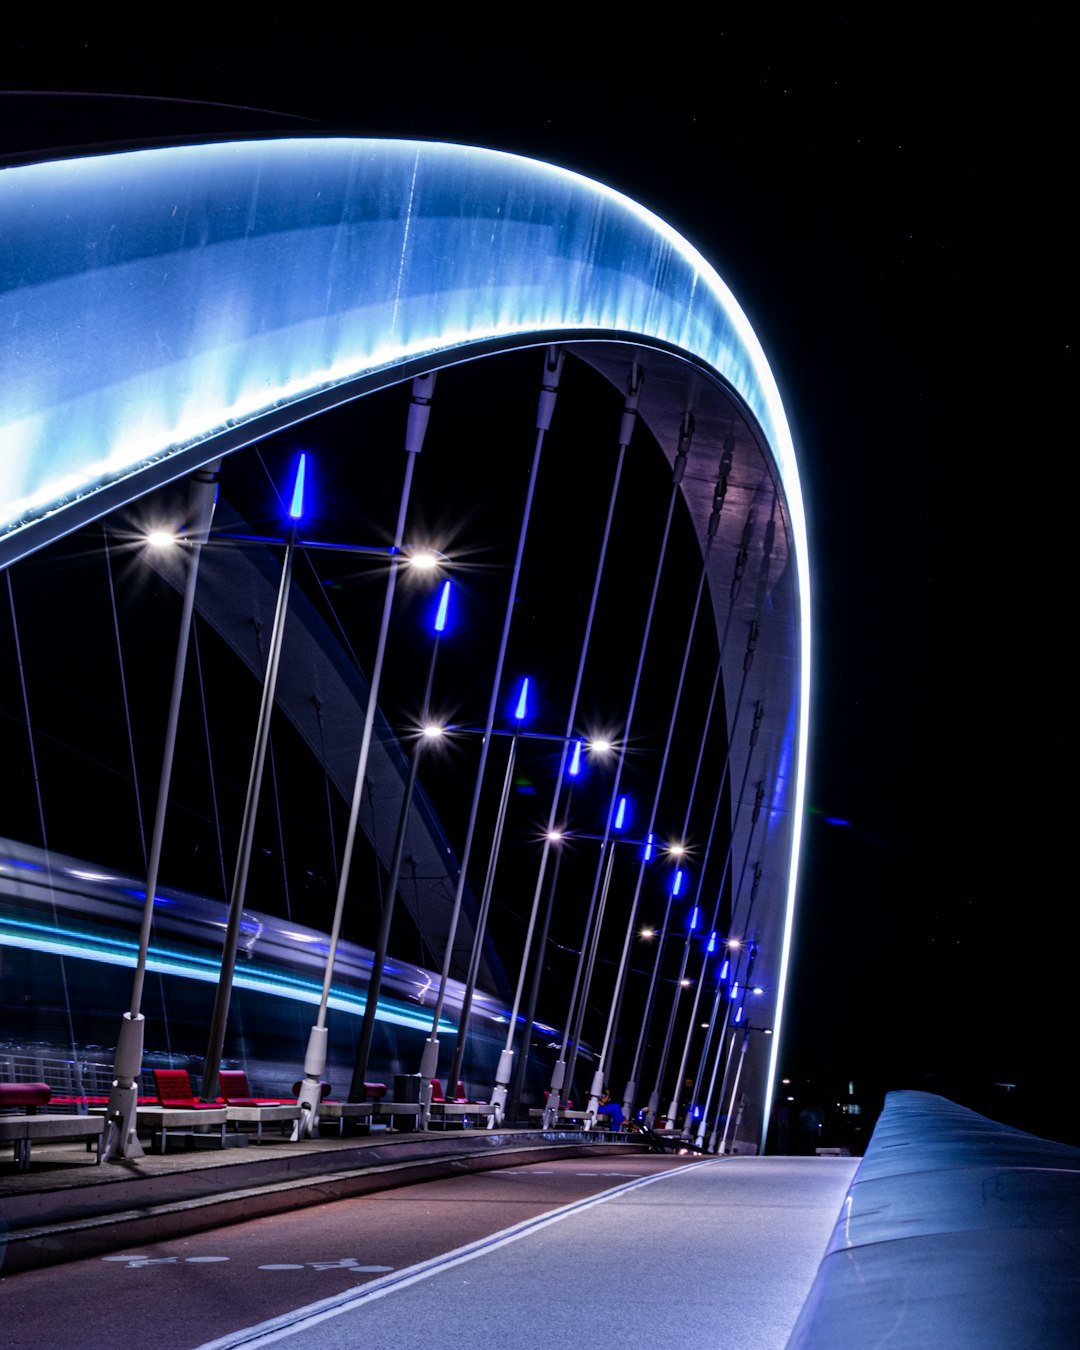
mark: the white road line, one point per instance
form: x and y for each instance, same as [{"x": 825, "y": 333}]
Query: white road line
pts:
[{"x": 301, "y": 1319}]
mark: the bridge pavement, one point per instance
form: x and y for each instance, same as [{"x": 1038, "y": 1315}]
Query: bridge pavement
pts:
[{"x": 625, "y": 1248}]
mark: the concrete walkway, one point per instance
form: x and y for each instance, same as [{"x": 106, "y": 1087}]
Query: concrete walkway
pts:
[{"x": 722, "y": 1251}]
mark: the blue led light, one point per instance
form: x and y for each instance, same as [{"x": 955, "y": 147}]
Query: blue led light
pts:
[
  {"x": 296, "y": 507},
  {"x": 694, "y": 916},
  {"x": 734, "y": 991},
  {"x": 649, "y": 848},
  {"x": 522, "y": 708},
  {"x": 444, "y": 605},
  {"x": 738, "y": 1016},
  {"x": 575, "y": 760},
  {"x": 676, "y": 886},
  {"x": 620, "y": 814},
  {"x": 712, "y": 945},
  {"x": 724, "y": 969}
]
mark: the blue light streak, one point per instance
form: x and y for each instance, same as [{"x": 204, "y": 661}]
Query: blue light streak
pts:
[
  {"x": 296, "y": 506},
  {"x": 575, "y": 760},
  {"x": 110, "y": 951},
  {"x": 676, "y": 885},
  {"x": 694, "y": 916},
  {"x": 620, "y": 814},
  {"x": 649, "y": 848},
  {"x": 521, "y": 711},
  {"x": 712, "y": 945},
  {"x": 444, "y": 606}
]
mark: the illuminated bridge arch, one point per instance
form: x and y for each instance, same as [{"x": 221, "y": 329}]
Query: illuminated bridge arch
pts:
[{"x": 162, "y": 307}]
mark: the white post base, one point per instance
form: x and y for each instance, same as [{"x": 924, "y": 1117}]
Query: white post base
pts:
[
  {"x": 311, "y": 1087},
  {"x": 121, "y": 1139}
]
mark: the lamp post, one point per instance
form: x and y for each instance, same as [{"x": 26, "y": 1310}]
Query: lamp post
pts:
[
  {"x": 121, "y": 1139},
  {"x": 520, "y": 713},
  {"x": 367, "y": 1028},
  {"x": 315, "y": 1058},
  {"x": 429, "y": 1060},
  {"x": 216, "y": 1038},
  {"x": 506, "y": 1059}
]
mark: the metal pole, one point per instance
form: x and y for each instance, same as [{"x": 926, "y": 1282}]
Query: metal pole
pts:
[
  {"x": 367, "y": 1028},
  {"x": 734, "y": 1091},
  {"x": 429, "y": 1060},
  {"x": 216, "y": 1040},
  {"x": 315, "y": 1059},
  {"x": 688, "y": 1121},
  {"x": 685, "y": 435},
  {"x": 481, "y": 925},
  {"x": 506, "y": 1058},
  {"x": 121, "y": 1140}
]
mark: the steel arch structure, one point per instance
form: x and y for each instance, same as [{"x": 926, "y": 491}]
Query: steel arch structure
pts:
[{"x": 162, "y": 307}]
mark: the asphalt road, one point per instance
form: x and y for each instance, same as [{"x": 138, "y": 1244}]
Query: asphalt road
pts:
[{"x": 648, "y": 1257}]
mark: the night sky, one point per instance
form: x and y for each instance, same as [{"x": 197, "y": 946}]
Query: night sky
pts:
[{"x": 884, "y": 202}]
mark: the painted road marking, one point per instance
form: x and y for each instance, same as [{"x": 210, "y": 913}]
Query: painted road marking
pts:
[{"x": 276, "y": 1328}]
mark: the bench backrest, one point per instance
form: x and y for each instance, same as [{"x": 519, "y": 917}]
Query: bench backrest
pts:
[
  {"x": 233, "y": 1085},
  {"x": 173, "y": 1087}
]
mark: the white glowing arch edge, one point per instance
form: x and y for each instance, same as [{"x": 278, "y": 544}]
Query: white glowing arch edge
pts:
[{"x": 151, "y": 301}]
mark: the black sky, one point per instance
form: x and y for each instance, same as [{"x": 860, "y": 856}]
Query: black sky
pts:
[{"x": 883, "y": 198}]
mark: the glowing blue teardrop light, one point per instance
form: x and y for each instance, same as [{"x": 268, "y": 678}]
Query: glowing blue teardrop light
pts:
[
  {"x": 734, "y": 991},
  {"x": 677, "y": 884},
  {"x": 724, "y": 969},
  {"x": 712, "y": 945},
  {"x": 620, "y": 814},
  {"x": 444, "y": 605},
  {"x": 523, "y": 702},
  {"x": 738, "y": 1016},
  {"x": 296, "y": 506},
  {"x": 648, "y": 848},
  {"x": 694, "y": 918},
  {"x": 575, "y": 760}
]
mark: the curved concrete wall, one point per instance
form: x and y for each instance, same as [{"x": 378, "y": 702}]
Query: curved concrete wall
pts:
[{"x": 957, "y": 1231}]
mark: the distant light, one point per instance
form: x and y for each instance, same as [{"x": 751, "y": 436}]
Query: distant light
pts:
[
  {"x": 600, "y": 746},
  {"x": 648, "y": 849},
  {"x": 757, "y": 989},
  {"x": 296, "y": 506},
  {"x": 704, "y": 1026},
  {"x": 766, "y": 1031},
  {"x": 554, "y": 836},
  {"x": 444, "y": 605},
  {"x": 676, "y": 850},
  {"x": 424, "y": 559},
  {"x": 677, "y": 884},
  {"x": 686, "y": 984},
  {"x": 433, "y": 731},
  {"x": 724, "y": 969},
  {"x": 523, "y": 701},
  {"x": 734, "y": 943},
  {"x": 162, "y": 539},
  {"x": 694, "y": 918},
  {"x": 712, "y": 945},
  {"x": 648, "y": 932},
  {"x": 620, "y": 814},
  {"x": 575, "y": 760}
]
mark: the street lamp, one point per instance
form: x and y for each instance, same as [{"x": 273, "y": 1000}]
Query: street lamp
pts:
[
  {"x": 430, "y": 732},
  {"x": 121, "y": 1140},
  {"x": 223, "y": 993},
  {"x": 315, "y": 1058}
]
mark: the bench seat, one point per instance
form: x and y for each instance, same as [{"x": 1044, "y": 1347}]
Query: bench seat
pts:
[{"x": 23, "y": 1130}]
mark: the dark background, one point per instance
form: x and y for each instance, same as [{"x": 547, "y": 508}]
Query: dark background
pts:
[{"x": 886, "y": 201}]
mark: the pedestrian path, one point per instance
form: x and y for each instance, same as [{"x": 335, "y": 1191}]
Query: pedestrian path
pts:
[{"x": 721, "y": 1251}]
